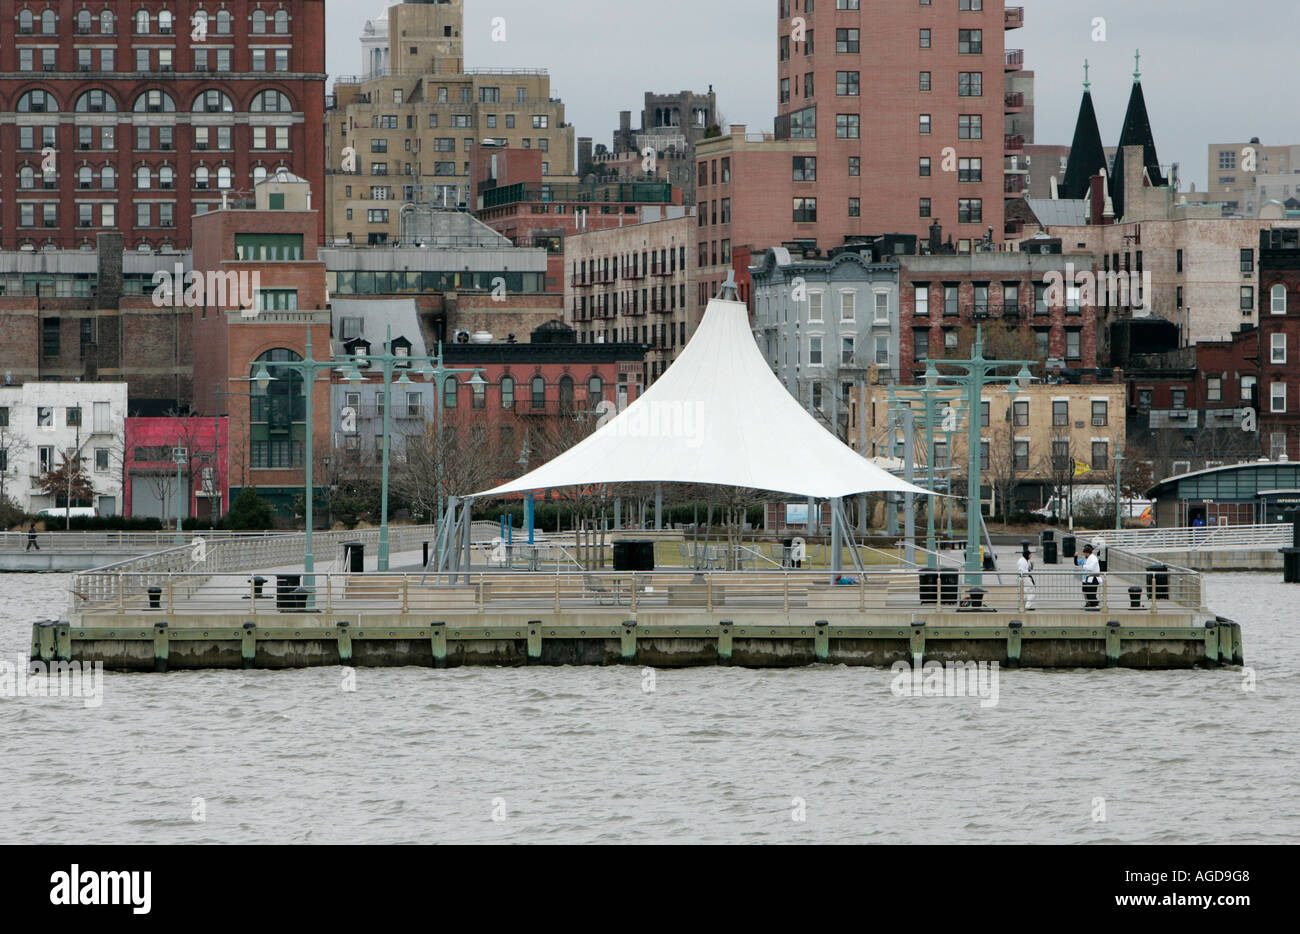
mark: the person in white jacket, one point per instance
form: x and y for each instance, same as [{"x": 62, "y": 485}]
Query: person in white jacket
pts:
[
  {"x": 1091, "y": 578},
  {"x": 1025, "y": 567}
]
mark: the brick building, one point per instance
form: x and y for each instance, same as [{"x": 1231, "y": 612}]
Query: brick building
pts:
[
  {"x": 1279, "y": 343},
  {"x": 634, "y": 285},
  {"x": 149, "y": 467},
  {"x": 114, "y": 116}
]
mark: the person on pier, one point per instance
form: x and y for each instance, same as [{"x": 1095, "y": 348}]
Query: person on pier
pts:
[
  {"x": 1025, "y": 567},
  {"x": 1091, "y": 578}
]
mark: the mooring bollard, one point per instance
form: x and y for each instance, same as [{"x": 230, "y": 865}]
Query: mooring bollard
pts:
[
  {"x": 344, "y": 637},
  {"x": 1112, "y": 643},
  {"x": 724, "y": 642},
  {"x": 917, "y": 644},
  {"x": 160, "y": 647},
  {"x": 63, "y": 642},
  {"x": 1212, "y": 644},
  {"x": 534, "y": 641},
  {"x": 1014, "y": 641}
]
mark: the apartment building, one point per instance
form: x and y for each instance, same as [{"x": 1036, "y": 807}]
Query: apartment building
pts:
[
  {"x": 407, "y": 130},
  {"x": 134, "y": 117}
]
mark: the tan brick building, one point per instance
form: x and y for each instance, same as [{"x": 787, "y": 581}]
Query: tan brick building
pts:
[{"x": 408, "y": 131}]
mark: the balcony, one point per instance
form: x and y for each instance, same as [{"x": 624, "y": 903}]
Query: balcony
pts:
[
  {"x": 1013, "y": 143},
  {"x": 1015, "y": 60},
  {"x": 1013, "y": 17},
  {"x": 1013, "y": 184},
  {"x": 1013, "y": 102}
]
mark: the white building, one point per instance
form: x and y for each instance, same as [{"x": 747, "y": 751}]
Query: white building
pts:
[{"x": 42, "y": 422}]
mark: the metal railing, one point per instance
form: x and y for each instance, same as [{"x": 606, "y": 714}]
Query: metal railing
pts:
[
  {"x": 1215, "y": 538},
  {"x": 196, "y": 592},
  {"x": 115, "y": 541}
]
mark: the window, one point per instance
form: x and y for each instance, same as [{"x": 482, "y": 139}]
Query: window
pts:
[
  {"x": 1100, "y": 455},
  {"x": 846, "y": 40},
  {"x": 855, "y": 166},
  {"x": 50, "y": 337},
  {"x": 1213, "y": 389},
  {"x": 847, "y": 309},
  {"x": 925, "y": 38},
  {"x": 1021, "y": 454},
  {"x": 1060, "y": 413},
  {"x": 924, "y": 207},
  {"x": 882, "y": 350},
  {"x": 925, "y": 167},
  {"x": 1277, "y": 348},
  {"x": 1277, "y": 299},
  {"x": 507, "y": 392},
  {"x": 855, "y": 207},
  {"x": 970, "y": 210},
  {"x": 984, "y": 413},
  {"x": 925, "y": 81},
  {"x": 922, "y": 300},
  {"x": 73, "y": 417},
  {"x": 1248, "y": 389},
  {"x": 970, "y": 84},
  {"x": 970, "y": 126},
  {"x": 101, "y": 460},
  {"x": 970, "y": 41},
  {"x": 814, "y": 351},
  {"x": 1178, "y": 398},
  {"x": 1145, "y": 399},
  {"x": 970, "y": 170},
  {"x": 538, "y": 393},
  {"x": 847, "y": 126},
  {"x": 1100, "y": 413},
  {"x": 921, "y": 344},
  {"x": 1020, "y": 411},
  {"x": 846, "y": 83},
  {"x": 924, "y": 124},
  {"x": 814, "y": 306},
  {"x": 1248, "y": 260},
  {"x": 1073, "y": 350},
  {"x": 1247, "y": 299},
  {"x": 950, "y": 297},
  {"x": 805, "y": 210},
  {"x": 805, "y": 168}
]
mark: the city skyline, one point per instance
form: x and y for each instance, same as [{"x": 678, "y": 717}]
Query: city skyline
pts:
[{"x": 732, "y": 45}]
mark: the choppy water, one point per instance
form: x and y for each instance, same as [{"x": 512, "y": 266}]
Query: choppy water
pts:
[{"x": 711, "y": 755}]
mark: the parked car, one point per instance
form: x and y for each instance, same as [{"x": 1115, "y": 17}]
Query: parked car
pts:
[{"x": 76, "y": 512}]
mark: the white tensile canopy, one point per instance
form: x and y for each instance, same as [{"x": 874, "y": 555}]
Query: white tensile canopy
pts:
[{"x": 717, "y": 415}]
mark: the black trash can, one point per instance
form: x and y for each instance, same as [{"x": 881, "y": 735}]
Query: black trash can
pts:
[
  {"x": 285, "y": 585},
  {"x": 929, "y": 587},
  {"x": 948, "y": 587},
  {"x": 634, "y": 554},
  {"x": 975, "y": 598},
  {"x": 1158, "y": 582},
  {"x": 155, "y": 598},
  {"x": 989, "y": 564},
  {"x": 424, "y": 546},
  {"x": 1135, "y": 598},
  {"x": 298, "y": 598},
  {"x": 354, "y": 556},
  {"x": 1049, "y": 546},
  {"x": 258, "y": 583},
  {"x": 1067, "y": 546}
]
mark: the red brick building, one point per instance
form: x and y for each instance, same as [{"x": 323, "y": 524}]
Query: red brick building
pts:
[
  {"x": 149, "y": 468},
  {"x": 1279, "y": 343},
  {"x": 118, "y": 116}
]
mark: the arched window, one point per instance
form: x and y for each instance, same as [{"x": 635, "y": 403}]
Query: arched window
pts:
[
  {"x": 1277, "y": 296},
  {"x": 259, "y": 22},
  {"x": 25, "y": 20},
  {"x": 96, "y": 101},
  {"x": 26, "y": 177},
  {"x": 282, "y": 22},
  {"x": 47, "y": 22},
  {"x": 107, "y": 177},
  {"x": 213, "y": 102},
  {"x": 595, "y": 391},
  {"x": 566, "y": 395},
  {"x": 143, "y": 177},
  {"x": 106, "y": 23},
  {"x": 507, "y": 392},
  {"x": 85, "y": 177},
  {"x": 223, "y": 22},
  {"x": 539, "y": 393},
  {"x": 154, "y": 102},
  {"x": 85, "y": 22},
  {"x": 165, "y": 22},
  {"x": 271, "y": 102},
  {"x": 166, "y": 177},
  {"x": 259, "y": 174},
  {"x": 38, "y": 101},
  {"x": 275, "y": 409},
  {"x": 142, "y": 23},
  {"x": 201, "y": 175},
  {"x": 224, "y": 177},
  {"x": 449, "y": 398}
]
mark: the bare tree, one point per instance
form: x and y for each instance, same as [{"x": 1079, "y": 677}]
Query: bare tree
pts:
[{"x": 12, "y": 447}]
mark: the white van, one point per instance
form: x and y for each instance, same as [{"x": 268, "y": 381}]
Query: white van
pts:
[
  {"x": 76, "y": 512},
  {"x": 1094, "y": 497}
]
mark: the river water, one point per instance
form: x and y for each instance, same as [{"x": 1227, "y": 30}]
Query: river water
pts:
[{"x": 824, "y": 754}]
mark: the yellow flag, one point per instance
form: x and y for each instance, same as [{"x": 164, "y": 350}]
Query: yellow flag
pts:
[{"x": 1080, "y": 468}]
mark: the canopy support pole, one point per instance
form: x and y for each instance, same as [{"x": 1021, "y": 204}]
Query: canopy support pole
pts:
[
  {"x": 659, "y": 506},
  {"x": 909, "y": 474},
  {"x": 837, "y": 546}
]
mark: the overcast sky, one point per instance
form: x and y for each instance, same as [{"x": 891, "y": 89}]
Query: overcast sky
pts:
[{"x": 1209, "y": 75}]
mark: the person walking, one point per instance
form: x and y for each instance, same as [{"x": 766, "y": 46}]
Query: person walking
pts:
[
  {"x": 1091, "y": 578},
  {"x": 1025, "y": 567},
  {"x": 31, "y": 539}
]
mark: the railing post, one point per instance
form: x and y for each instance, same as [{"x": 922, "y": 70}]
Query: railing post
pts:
[
  {"x": 404, "y": 594},
  {"x": 171, "y": 588},
  {"x": 634, "y": 589},
  {"x": 785, "y": 591},
  {"x": 708, "y": 595}
]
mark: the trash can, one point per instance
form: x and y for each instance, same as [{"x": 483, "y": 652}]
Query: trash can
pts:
[
  {"x": 634, "y": 554},
  {"x": 787, "y": 552},
  {"x": 1158, "y": 582},
  {"x": 258, "y": 583},
  {"x": 975, "y": 598},
  {"x": 1067, "y": 546},
  {"x": 1135, "y": 598},
  {"x": 155, "y": 598},
  {"x": 929, "y": 587},
  {"x": 1049, "y": 547},
  {"x": 988, "y": 560},
  {"x": 285, "y": 584},
  {"x": 354, "y": 556},
  {"x": 948, "y": 587},
  {"x": 298, "y": 598},
  {"x": 425, "y": 551}
]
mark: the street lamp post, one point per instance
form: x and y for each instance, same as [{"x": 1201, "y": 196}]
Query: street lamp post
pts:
[
  {"x": 978, "y": 372},
  {"x": 435, "y": 372},
  {"x": 178, "y": 455},
  {"x": 1119, "y": 504}
]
